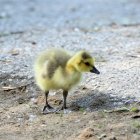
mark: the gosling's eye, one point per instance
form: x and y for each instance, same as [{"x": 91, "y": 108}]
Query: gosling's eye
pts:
[{"x": 87, "y": 64}]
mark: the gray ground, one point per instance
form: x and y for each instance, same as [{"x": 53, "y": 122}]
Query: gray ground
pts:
[{"x": 109, "y": 30}]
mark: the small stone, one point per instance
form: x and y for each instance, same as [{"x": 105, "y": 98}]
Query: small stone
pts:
[
  {"x": 17, "y": 125},
  {"x": 57, "y": 123},
  {"x": 86, "y": 133},
  {"x": 76, "y": 29},
  {"x": 96, "y": 29},
  {"x": 67, "y": 111},
  {"x": 34, "y": 101},
  {"x": 1, "y": 110},
  {"x": 32, "y": 117},
  {"x": 77, "y": 121},
  {"x": 112, "y": 138},
  {"x": 102, "y": 136},
  {"x": 10, "y": 80},
  {"x": 21, "y": 100},
  {"x": 14, "y": 52},
  {"x": 84, "y": 113}
]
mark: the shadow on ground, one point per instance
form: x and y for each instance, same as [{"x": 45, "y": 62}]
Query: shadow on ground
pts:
[
  {"x": 96, "y": 100},
  {"x": 81, "y": 99}
]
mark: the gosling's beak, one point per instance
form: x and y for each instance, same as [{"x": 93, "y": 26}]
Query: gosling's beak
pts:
[{"x": 94, "y": 70}]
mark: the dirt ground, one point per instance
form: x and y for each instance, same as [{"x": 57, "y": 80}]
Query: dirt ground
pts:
[
  {"x": 117, "y": 86},
  {"x": 101, "y": 107}
]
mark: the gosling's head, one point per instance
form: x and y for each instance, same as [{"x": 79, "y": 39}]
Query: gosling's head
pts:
[{"x": 84, "y": 62}]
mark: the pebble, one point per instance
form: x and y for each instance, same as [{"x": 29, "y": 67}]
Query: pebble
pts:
[
  {"x": 32, "y": 117},
  {"x": 86, "y": 134},
  {"x": 112, "y": 138},
  {"x": 77, "y": 121},
  {"x": 34, "y": 101},
  {"x": 102, "y": 136},
  {"x": 84, "y": 113}
]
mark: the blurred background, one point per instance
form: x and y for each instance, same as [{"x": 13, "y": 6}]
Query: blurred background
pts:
[{"x": 27, "y": 14}]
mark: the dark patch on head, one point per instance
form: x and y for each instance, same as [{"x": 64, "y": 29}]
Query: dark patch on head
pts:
[{"x": 85, "y": 55}]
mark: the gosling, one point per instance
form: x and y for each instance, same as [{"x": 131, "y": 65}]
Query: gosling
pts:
[{"x": 56, "y": 69}]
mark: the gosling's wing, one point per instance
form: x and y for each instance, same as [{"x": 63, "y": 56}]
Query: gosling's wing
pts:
[
  {"x": 59, "y": 59},
  {"x": 49, "y": 61},
  {"x": 51, "y": 67}
]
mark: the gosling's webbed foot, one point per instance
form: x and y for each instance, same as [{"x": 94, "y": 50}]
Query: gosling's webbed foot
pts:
[
  {"x": 61, "y": 108},
  {"x": 64, "y": 109},
  {"x": 48, "y": 109}
]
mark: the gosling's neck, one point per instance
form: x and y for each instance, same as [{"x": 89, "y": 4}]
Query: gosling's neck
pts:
[{"x": 70, "y": 66}]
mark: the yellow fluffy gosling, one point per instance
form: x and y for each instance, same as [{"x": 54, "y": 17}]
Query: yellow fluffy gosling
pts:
[{"x": 56, "y": 69}]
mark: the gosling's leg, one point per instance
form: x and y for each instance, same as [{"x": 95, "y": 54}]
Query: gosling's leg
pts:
[
  {"x": 47, "y": 108},
  {"x": 63, "y": 107},
  {"x": 65, "y": 94}
]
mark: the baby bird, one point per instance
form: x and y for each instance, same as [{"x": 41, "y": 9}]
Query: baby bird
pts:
[{"x": 56, "y": 69}]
